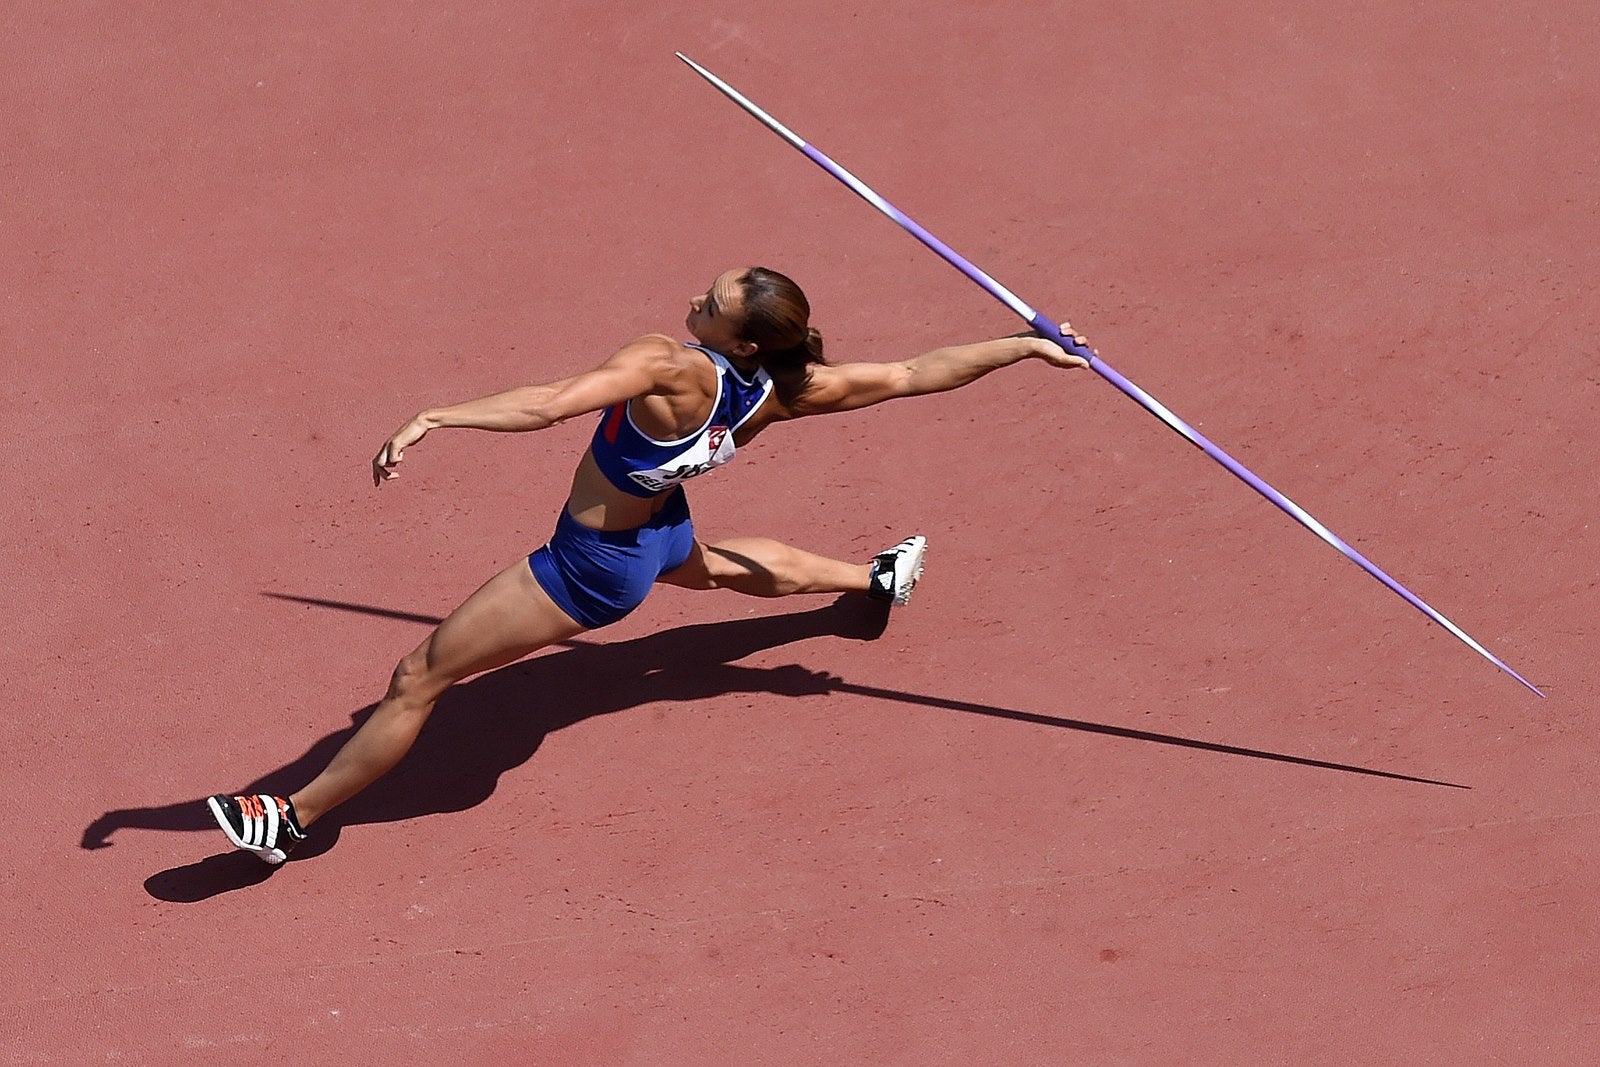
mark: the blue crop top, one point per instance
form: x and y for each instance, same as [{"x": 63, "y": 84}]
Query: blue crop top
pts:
[{"x": 643, "y": 466}]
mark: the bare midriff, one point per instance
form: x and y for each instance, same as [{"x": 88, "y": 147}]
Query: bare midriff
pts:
[{"x": 596, "y": 503}]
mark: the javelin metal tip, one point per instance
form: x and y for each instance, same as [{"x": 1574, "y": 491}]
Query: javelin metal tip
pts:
[
  {"x": 743, "y": 101},
  {"x": 698, "y": 69}
]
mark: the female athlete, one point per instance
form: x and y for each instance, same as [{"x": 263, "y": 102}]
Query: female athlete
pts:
[{"x": 669, "y": 412}]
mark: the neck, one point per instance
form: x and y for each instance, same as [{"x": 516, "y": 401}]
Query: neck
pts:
[{"x": 746, "y": 364}]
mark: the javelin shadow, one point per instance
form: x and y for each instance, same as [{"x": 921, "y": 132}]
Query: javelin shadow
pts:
[
  {"x": 495, "y": 722},
  {"x": 1132, "y": 734},
  {"x": 359, "y": 609}
]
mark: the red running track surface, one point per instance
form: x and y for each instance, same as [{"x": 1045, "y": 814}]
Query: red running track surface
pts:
[{"x": 1145, "y": 774}]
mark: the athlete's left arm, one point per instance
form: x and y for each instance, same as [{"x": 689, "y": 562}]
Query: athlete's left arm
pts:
[{"x": 639, "y": 368}]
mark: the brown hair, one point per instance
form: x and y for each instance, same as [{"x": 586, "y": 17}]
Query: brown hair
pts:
[{"x": 777, "y": 321}]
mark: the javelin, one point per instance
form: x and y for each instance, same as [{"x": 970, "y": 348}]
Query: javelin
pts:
[{"x": 1052, "y": 331}]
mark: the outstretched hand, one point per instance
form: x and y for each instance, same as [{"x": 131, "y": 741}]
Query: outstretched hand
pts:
[
  {"x": 393, "y": 451},
  {"x": 1057, "y": 356}
]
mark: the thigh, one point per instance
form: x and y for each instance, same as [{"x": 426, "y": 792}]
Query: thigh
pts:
[
  {"x": 719, "y": 566},
  {"x": 508, "y": 617}
]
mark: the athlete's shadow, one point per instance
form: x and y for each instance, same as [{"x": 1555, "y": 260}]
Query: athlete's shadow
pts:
[
  {"x": 490, "y": 724},
  {"x": 495, "y": 722}
]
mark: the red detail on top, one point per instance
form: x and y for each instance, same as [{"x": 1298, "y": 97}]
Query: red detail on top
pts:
[{"x": 613, "y": 423}]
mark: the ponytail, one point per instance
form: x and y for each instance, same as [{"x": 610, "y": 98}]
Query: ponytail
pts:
[
  {"x": 776, "y": 315},
  {"x": 791, "y": 368}
]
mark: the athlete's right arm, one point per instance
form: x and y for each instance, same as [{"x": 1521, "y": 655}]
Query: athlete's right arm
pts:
[
  {"x": 639, "y": 368},
  {"x": 849, "y": 386}
]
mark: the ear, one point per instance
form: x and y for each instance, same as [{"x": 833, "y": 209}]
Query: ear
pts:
[{"x": 744, "y": 350}]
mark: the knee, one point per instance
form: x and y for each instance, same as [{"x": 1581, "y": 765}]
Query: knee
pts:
[{"x": 412, "y": 679}]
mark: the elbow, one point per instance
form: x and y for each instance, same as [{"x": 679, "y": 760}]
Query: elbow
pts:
[
  {"x": 540, "y": 409},
  {"x": 906, "y": 380},
  {"x": 911, "y": 380},
  {"x": 538, "y": 418}
]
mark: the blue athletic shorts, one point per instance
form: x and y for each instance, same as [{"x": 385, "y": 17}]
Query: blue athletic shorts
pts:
[{"x": 599, "y": 576}]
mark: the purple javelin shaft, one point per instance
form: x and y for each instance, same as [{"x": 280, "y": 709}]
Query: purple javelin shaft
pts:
[{"x": 1044, "y": 326}]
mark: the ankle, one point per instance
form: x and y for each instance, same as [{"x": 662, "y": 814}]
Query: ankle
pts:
[{"x": 301, "y": 814}]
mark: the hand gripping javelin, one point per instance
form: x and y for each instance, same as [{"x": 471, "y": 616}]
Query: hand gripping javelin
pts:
[{"x": 1051, "y": 330}]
